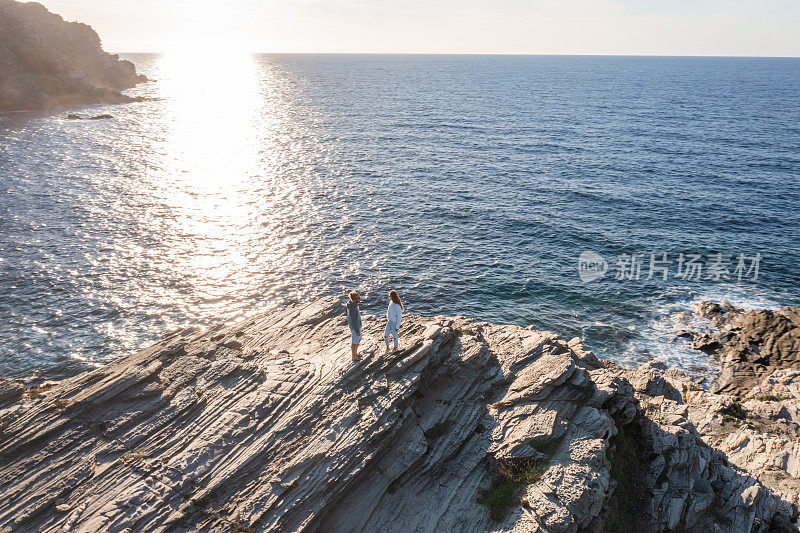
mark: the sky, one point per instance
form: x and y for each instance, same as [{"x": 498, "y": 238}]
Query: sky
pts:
[{"x": 638, "y": 27}]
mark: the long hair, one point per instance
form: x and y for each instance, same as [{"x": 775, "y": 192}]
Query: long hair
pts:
[
  {"x": 393, "y": 296},
  {"x": 355, "y": 298}
]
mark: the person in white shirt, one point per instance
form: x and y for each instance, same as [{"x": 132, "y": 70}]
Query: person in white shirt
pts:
[{"x": 394, "y": 315}]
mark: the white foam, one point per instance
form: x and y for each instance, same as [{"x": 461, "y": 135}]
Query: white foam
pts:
[{"x": 660, "y": 338}]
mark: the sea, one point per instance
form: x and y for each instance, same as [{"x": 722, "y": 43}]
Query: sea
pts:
[{"x": 595, "y": 197}]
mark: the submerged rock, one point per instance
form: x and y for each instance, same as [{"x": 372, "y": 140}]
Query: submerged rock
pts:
[
  {"x": 47, "y": 62},
  {"x": 267, "y": 426},
  {"x": 97, "y": 117}
]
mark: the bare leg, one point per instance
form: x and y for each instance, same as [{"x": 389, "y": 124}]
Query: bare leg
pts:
[{"x": 354, "y": 350}]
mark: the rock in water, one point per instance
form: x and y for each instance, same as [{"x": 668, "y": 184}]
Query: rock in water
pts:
[
  {"x": 96, "y": 117},
  {"x": 749, "y": 345},
  {"x": 47, "y": 62},
  {"x": 267, "y": 426},
  {"x": 752, "y": 411}
]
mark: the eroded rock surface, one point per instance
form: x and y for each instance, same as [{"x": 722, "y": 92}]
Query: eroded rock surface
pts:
[
  {"x": 266, "y": 426},
  {"x": 10, "y": 392},
  {"x": 749, "y": 345},
  {"x": 760, "y": 433},
  {"x": 735, "y": 502},
  {"x": 751, "y": 413},
  {"x": 47, "y": 62}
]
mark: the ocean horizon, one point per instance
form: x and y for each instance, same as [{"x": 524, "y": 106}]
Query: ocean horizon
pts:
[{"x": 129, "y": 54}]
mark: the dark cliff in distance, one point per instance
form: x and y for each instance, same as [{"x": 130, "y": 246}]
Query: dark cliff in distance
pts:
[{"x": 47, "y": 62}]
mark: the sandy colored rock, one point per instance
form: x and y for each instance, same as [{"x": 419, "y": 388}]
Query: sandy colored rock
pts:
[{"x": 10, "y": 392}]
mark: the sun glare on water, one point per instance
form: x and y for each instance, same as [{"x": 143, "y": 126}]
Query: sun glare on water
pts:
[
  {"x": 218, "y": 120},
  {"x": 214, "y": 102}
]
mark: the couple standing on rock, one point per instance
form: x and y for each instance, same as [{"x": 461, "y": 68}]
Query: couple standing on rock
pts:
[{"x": 394, "y": 314}]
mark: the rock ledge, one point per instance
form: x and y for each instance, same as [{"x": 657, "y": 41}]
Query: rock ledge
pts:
[{"x": 266, "y": 426}]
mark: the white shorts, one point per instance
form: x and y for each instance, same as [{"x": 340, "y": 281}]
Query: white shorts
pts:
[{"x": 356, "y": 339}]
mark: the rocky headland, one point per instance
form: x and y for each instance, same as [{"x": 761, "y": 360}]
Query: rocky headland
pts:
[
  {"x": 265, "y": 425},
  {"x": 47, "y": 62}
]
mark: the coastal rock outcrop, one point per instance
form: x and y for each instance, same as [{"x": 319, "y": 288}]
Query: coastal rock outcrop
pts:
[
  {"x": 265, "y": 425},
  {"x": 752, "y": 410},
  {"x": 47, "y": 62},
  {"x": 10, "y": 392},
  {"x": 104, "y": 116},
  {"x": 749, "y": 345}
]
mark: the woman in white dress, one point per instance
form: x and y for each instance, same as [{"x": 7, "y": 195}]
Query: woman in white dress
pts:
[{"x": 394, "y": 315}]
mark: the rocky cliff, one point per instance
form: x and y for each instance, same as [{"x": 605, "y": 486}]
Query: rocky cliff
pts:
[
  {"x": 266, "y": 426},
  {"x": 47, "y": 62}
]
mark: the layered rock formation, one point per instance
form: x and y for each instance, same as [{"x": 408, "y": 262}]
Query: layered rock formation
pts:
[
  {"x": 47, "y": 62},
  {"x": 267, "y": 426},
  {"x": 749, "y": 345},
  {"x": 754, "y": 416}
]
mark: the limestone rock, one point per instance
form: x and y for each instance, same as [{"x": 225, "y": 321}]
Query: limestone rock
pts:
[
  {"x": 10, "y": 392},
  {"x": 265, "y": 425},
  {"x": 761, "y": 434},
  {"x": 758, "y": 438}
]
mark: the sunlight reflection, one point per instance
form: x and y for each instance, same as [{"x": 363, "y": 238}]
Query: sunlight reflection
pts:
[
  {"x": 214, "y": 102},
  {"x": 229, "y": 196},
  {"x": 218, "y": 118}
]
